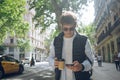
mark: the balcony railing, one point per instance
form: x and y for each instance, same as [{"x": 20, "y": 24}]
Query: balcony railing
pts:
[
  {"x": 115, "y": 25},
  {"x": 112, "y": 28},
  {"x": 103, "y": 36},
  {"x": 102, "y": 19}
]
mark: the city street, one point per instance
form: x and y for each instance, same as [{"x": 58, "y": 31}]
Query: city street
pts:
[
  {"x": 42, "y": 71},
  {"x": 66, "y": 30}
]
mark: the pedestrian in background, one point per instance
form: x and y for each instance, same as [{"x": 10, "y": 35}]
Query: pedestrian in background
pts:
[
  {"x": 116, "y": 60},
  {"x": 99, "y": 59},
  {"x": 119, "y": 59},
  {"x": 32, "y": 62}
]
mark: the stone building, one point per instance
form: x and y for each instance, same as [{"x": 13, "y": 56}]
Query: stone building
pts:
[{"x": 107, "y": 22}]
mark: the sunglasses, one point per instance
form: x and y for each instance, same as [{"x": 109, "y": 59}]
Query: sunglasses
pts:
[{"x": 70, "y": 29}]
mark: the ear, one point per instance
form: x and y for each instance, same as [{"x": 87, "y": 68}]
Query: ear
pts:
[
  {"x": 75, "y": 24},
  {"x": 61, "y": 25}
]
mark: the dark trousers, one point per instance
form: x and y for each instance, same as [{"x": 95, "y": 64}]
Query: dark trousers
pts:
[
  {"x": 117, "y": 63},
  {"x": 99, "y": 63}
]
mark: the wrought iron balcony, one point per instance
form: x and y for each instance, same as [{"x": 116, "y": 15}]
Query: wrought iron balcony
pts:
[
  {"x": 115, "y": 25},
  {"x": 112, "y": 28},
  {"x": 103, "y": 36},
  {"x": 102, "y": 19},
  {"x": 113, "y": 4}
]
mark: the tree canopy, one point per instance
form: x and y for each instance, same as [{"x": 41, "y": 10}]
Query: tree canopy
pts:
[
  {"x": 12, "y": 18},
  {"x": 49, "y": 11},
  {"x": 89, "y": 31}
]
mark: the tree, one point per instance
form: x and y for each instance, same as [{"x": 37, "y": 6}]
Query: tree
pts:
[
  {"x": 49, "y": 11},
  {"x": 47, "y": 44},
  {"x": 11, "y": 19},
  {"x": 89, "y": 31},
  {"x": 24, "y": 44}
]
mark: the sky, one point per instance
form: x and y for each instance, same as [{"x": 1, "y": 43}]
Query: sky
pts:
[{"x": 88, "y": 14}]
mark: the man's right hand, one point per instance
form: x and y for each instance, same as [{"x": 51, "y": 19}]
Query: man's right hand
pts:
[{"x": 56, "y": 62}]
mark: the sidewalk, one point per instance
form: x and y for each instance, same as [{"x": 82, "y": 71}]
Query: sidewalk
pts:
[
  {"x": 106, "y": 72},
  {"x": 38, "y": 64}
]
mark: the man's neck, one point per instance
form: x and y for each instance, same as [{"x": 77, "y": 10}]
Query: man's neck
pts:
[{"x": 69, "y": 36}]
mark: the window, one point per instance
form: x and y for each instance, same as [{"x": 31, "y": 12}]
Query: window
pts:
[
  {"x": 11, "y": 49},
  {"x": 115, "y": 17},
  {"x": 109, "y": 25},
  {"x": 1, "y": 50},
  {"x": 6, "y": 58},
  {"x": 11, "y": 40},
  {"x": 103, "y": 32},
  {"x": 10, "y": 59},
  {"x": 21, "y": 56},
  {"x": 106, "y": 28}
]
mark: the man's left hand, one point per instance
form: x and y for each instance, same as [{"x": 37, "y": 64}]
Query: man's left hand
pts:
[{"x": 76, "y": 67}]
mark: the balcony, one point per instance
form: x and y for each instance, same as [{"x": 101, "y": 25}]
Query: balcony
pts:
[
  {"x": 112, "y": 28},
  {"x": 113, "y": 4},
  {"x": 115, "y": 25},
  {"x": 112, "y": 1},
  {"x": 103, "y": 36},
  {"x": 100, "y": 22}
]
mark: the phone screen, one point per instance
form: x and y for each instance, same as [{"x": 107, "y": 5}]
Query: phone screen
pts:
[{"x": 69, "y": 64}]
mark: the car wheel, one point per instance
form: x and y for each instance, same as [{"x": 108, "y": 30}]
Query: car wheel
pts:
[
  {"x": 21, "y": 69},
  {"x": 1, "y": 73}
]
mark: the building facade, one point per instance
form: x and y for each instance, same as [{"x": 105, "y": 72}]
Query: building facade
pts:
[
  {"x": 36, "y": 41},
  {"x": 107, "y": 22}
]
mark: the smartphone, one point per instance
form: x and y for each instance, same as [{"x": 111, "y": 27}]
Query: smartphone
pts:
[{"x": 69, "y": 64}]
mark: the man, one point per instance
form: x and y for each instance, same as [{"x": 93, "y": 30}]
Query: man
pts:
[
  {"x": 99, "y": 59},
  {"x": 119, "y": 55},
  {"x": 119, "y": 59},
  {"x": 73, "y": 48},
  {"x": 116, "y": 60}
]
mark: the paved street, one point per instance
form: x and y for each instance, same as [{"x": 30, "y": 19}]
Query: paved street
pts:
[
  {"x": 42, "y": 71},
  {"x": 106, "y": 72}
]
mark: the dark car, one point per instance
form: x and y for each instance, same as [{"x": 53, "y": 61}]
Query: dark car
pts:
[{"x": 10, "y": 65}]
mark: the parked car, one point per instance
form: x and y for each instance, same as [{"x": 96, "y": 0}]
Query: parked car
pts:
[
  {"x": 26, "y": 60},
  {"x": 10, "y": 65}
]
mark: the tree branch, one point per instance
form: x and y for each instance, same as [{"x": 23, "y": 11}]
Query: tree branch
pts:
[
  {"x": 65, "y": 3},
  {"x": 4, "y": 24},
  {"x": 55, "y": 5},
  {"x": 58, "y": 11}
]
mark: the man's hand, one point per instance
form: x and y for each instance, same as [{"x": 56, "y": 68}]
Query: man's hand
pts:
[
  {"x": 76, "y": 67},
  {"x": 56, "y": 63}
]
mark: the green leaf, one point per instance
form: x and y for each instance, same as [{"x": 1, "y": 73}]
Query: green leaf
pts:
[
  {"x": 11, "y": 18},
  {"x": 45, "y": 8}
]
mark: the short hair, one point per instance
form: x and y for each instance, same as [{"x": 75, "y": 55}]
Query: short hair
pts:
[{"x": 68, "y": 17}]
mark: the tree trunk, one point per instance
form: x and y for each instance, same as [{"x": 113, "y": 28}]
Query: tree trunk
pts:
[
  {"x": 58, "y": 20},
  {"x": 58, "y": 12}
]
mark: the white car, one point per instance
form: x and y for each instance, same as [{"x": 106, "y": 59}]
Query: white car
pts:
[{"x": 26, "y": 61}]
